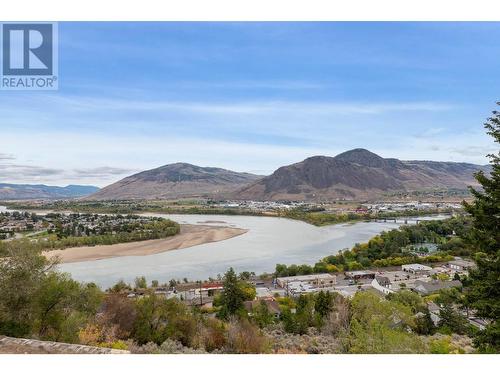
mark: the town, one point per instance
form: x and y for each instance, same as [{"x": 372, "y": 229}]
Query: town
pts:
[
  {"x": 25, "y": 224},
  {"x": 337, "y": 207},
  {"x": 269, "y": 290}
]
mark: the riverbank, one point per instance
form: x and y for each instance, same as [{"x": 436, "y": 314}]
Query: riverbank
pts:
[{"x": 190, "y": 235}]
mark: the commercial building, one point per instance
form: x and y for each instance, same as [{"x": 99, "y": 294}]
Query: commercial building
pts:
[
  {"x": 416, "y": 268},
  {"x": 358, "y": 275},
  {"x": 459, "y": 264},
  {"x": 263, "y": 293},
  {"x": 321, "y": 280}
]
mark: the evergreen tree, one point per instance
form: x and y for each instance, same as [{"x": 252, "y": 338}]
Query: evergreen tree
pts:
[
  {"x": 323, "y": 304},
  {"x": 483, "y": 294},
  {"x": 424, "y": 324},
  {"x": 232, "y": 297},
  {"x": 452, "y": 320}
]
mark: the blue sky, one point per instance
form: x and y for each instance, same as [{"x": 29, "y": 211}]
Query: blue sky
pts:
[{"x": 251, "y": 97}]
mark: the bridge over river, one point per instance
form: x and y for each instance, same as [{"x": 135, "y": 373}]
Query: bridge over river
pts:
[{"x": 404, "y": 220}]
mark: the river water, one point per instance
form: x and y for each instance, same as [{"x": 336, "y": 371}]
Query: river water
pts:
[{"x": 268, "y": 241}]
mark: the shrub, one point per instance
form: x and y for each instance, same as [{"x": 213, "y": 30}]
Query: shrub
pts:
[{"x": 245, "y": 338}]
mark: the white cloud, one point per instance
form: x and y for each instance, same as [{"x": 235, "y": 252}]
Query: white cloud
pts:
[
  {"x": 100, "y": 140},
  {"x": 6, "y": 157},
  {"x": 90, "y": 104}
]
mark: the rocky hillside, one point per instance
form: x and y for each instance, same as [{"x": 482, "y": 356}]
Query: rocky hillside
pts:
[
  {"x": 175, "y": 181},
  {"x": 357, "y": 174}
]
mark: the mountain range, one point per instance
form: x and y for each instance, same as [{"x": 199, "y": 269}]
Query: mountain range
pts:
[
  {"x": 355, "y": 174},
  {"x": 179, "y": 180},
  {"x": 19, "y": 191},
  {"x": 358, "y": 174}
]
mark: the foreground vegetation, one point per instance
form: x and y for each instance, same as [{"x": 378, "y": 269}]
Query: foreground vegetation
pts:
[{"x": 37, "y": 301}]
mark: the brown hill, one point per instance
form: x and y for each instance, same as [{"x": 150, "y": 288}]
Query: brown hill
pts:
[
  {"x": 175, "y": 181},
  {"x": 357, "y": 174}
]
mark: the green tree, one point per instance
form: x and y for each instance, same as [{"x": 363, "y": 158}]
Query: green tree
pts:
[
  {"x": 376, "y": 337},
  {"x": 262, "y": 316},
  {"x": 21, "y": 274},
  {"x": 483, "y": 293},
  {"x": 452, "y": 320},
  {"x": 141, "y": 283},
  {"x": 381, "y": 326},
  {"x": 120, "y": 286},
  {"x": 159, "y": 319},
  {"x": 323, "y": 303},
  {"x": 63, "y": 306},
  {"x": 411, "y": 299},
  {"x": 172, "y": 283},
  {"x": 37, "y": 300},
  {"x": 246, "y": 275},
  {"x": 232, "y": 297},
  {"x": 424, "y": 324}
]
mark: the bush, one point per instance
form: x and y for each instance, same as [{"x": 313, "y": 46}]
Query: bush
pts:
[
  {"x": 245, "y": 338},
  {"x": 444, "y": 346}
]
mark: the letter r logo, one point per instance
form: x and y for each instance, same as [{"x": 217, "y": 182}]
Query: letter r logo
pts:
[{"x": 27, "y": 49}]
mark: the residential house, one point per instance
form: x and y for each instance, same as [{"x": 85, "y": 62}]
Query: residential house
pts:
[
  {"x": 433, "y": 286},
  {"x": 263, "y": 293},
  {"x": 383, "y": 281}
]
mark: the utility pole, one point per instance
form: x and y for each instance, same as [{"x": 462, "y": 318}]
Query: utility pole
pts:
[{"x": 201, "y": 296}]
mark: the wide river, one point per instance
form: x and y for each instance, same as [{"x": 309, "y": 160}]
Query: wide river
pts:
[{"x": 268, "y": 241}]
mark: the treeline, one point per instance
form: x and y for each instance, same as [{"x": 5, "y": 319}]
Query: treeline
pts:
[
  {"x": 154, "y": 230},
  {"x": 321, "y": 218},
  {"x": 131, "y": 207},
  {"x": 314, "y": 216},
  {"x": 386, "y": 249}
]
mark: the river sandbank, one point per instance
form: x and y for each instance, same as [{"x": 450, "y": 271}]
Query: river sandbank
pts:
[{"x": 190, "y": 235}]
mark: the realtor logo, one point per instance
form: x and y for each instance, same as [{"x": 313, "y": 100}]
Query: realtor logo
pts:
[{"x": 29, "y": 56}]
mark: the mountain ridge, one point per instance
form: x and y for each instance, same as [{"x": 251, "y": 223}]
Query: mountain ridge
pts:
[
  {"x": 357, "y": 174},
  {"x": 176, "y": 180},
  {"x": 40, "y": 191},
  {"x": 353, "y": 174}
]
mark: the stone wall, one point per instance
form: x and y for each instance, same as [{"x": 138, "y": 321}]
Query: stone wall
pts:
[{"x": 11, "y": 345}]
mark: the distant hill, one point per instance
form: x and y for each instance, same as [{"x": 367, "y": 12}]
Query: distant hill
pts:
[
  {"x": 17, "y": 191},
  {"x": 357, "y": 174},
  {"x": 175, "y": 181}
]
